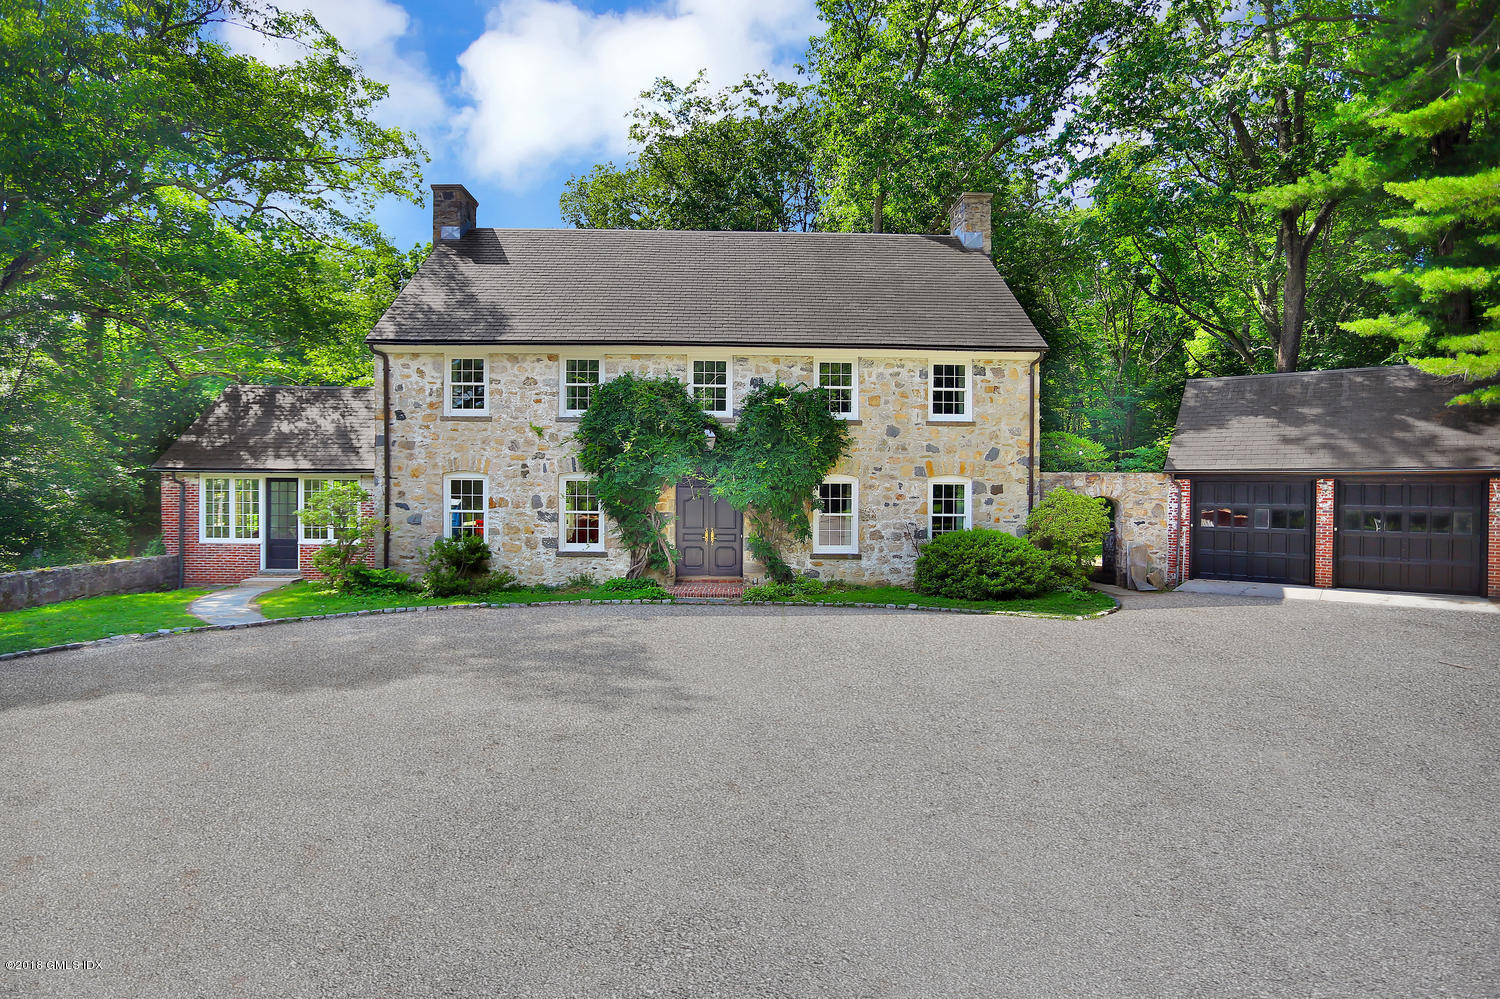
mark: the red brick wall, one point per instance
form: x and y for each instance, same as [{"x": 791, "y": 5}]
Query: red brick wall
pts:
[
  {"x": 1323, "y": 533},
  {"x": 202, "y": 564},
  {"x": 1494, "y": 581},
  {"x": 220, "y": 563},
  {"x": 1179, "y": 531}
]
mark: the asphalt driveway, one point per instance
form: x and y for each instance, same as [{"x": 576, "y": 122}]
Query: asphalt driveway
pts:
[{"x": 1202, "y": 796}]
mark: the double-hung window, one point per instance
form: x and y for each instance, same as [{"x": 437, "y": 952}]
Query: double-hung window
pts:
[
  {"x": 468, "y": 393},
  {"x": 836, "y": 525},
  {"x": 467, "y": 498},
  {"x": 230, "y": 509},
  {"x": 840, "y": 379},
  {"x": 582, "y": 520},
  {"x": 711, "y": 387},
  {"x": 947, "y": 506},
  {"x": 950, "y": 390},
  {"x": 580, "y": 376}
]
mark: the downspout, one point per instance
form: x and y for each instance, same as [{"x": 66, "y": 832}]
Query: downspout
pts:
[
  {"x": 385, "y": 449},
  {"x": 1031, "y": 433}
]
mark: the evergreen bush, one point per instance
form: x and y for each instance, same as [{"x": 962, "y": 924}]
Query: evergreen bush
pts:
[{"x": 982, "y": 564}]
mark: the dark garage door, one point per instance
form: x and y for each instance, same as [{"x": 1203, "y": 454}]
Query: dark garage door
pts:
[
  {"x": 1421, "y": 536},
  {"x": 1260, "y": 531}
]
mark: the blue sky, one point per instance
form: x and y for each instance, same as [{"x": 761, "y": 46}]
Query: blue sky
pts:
[{"x": 512, "y": 97}]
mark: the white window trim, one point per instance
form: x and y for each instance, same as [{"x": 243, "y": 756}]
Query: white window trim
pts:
[
  {"x": 728, "y": 410},
  {"x": 562, "y": 381},
  {"x": 853, "y": 547},
  {"x": 448, "y": 409},
  {"x": 968, "y": 499},
  {"x": 484, "y": 502},
  {"x": 853, "y": 362},
  {"x": 967, "y": 416},
  {"x": 302, "y": 538},
  {"x": 562, "y": 518},
  {"x": 234, "y": 536}
]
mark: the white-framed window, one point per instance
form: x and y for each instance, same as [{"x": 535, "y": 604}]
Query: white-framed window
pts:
[
  {"x": 836, "y": 525},
  {"x": 310, "y": 488},
  {"x": 947, "y": 505},
  {"x": 229, "y": 509},
  {"x": 949, "y": 390},
  {"x": 582, "y": 526},
  {"x": 217, "y": 507},
  {"x": 467, "y": 391},
  {"x": 840, "y": 379},
  {"x": 710, "y": 387},
  {"x": 247, "y": 509},
  {"x": 467, "y": 498},
  {"x": 580, "y": 376}
]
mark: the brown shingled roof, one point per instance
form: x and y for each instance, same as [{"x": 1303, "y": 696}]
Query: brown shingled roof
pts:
[
  {"x": 773, "y": 289},
  {"x": 280, "y": 428},
  {"x": 1351, "y": 420}
]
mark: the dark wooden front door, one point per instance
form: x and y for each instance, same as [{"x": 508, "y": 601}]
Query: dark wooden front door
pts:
[
  {"x": 708, "y": 533},
  {"x": 281, "y": 523},
  {"x": 1258, "y": 530},
  {"x": 1426, "y": 536}
]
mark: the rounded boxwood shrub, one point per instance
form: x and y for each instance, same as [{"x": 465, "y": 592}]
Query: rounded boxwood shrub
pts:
[{"x": 982, "y": 564}]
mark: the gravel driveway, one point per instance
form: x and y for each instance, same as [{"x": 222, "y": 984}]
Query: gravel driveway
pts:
[{"x": 1201, "y": 796}]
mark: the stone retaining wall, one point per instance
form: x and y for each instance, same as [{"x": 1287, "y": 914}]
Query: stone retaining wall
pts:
[
  {"x": 35, "y": 587},
  {"x": 1142, "y": 514}
]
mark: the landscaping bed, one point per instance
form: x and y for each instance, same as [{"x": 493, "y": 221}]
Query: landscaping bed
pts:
[
  {"x": 1062, "y": 603},
  {"x": 92, "y": 618},
  {"x": 307, "y": 597}
]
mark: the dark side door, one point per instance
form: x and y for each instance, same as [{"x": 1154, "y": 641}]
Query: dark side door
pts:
[
  {"x": 709, "y": 533},
  {"x": 281, "y": 523}
]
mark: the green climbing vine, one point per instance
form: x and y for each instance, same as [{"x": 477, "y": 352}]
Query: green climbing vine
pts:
[
  {"x": 783, "y": 444},
  {"x": 641, "y": 435},
  {"x": 638, "y": 436}
]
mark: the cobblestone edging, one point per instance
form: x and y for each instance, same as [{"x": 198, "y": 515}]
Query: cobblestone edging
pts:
[{"x": 164, "y": 632}]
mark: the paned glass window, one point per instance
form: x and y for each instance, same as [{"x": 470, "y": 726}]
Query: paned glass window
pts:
[
  {"x": 465, "y": 508},
  {"x": 582, "y": 520},
  {"x": 948, "y": 507},
  {"x": 580, "y": 377},
  {"x": 837, "y": 379},
  {"x": 216, "y": 507},
  {"x": 950, "y": 390},
  {"x": 466, "y": 388},
  {"x": 835, "y": 525},
  {"x": 711, "y": 386},
  {"x": 247, "y": 509}
]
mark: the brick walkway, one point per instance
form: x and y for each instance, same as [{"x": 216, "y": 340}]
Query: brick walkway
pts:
[{"x": 721, "y": 589}]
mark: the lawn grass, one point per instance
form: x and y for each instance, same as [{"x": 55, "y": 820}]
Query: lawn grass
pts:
[
  {"x": 308, "y": 597},
  {"x": 95, "y": 617},
  {"x": 1060, "y": 602}
]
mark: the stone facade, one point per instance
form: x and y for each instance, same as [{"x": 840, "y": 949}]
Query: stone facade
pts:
[
  {"x": 523, "y": 448},
  {"x": 1143, "y": 514},
  {"x": 35, "y": 587}
]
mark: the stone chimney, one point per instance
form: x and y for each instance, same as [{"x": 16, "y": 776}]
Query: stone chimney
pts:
[
  {"x": 969, "y": 221},
  {"x": 453, "y": 212}
]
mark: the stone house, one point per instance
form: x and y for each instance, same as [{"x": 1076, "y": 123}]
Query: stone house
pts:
[{"x": 487, "y": 358}]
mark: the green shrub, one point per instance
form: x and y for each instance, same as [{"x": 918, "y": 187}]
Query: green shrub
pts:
[
  {"x": 362, "y": 577},
  {"x": 798, "y": 588},
  {"x": 1064, "y": 452},
  {"x": 338, "y": 508},
  {"x": 626, "y": 584},
  {"x": 495, "y": 581},
  {"x": 154, "y": 547},
  {"x": 579, "y": 581},
  {"x": 455, "y": 566},
  {"x": 1069, "y": 527},
  {"x": 766, "y": 554},
  {"x": 982, "y": 564}
]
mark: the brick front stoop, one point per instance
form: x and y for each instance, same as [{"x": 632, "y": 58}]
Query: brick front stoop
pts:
[{"x": 707, "y": 589}]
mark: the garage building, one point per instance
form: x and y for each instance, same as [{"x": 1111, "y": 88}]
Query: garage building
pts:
[{"x": 1361, "y": 477}]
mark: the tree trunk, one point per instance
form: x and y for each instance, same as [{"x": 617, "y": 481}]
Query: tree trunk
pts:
[{"x": 1293, "y": 293}]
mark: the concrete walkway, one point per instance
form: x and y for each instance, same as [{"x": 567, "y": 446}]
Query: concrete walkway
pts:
[
  {"x": 232, "y": 605},
  {"x": 1279, "y": 591}
]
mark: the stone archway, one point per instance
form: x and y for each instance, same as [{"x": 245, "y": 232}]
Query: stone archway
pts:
[{"x": 1141, "y": 513}]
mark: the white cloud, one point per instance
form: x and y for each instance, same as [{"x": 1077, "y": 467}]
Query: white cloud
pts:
[
  {"x": 373, "y": 31},
  {"x": 550, "y": 81}
]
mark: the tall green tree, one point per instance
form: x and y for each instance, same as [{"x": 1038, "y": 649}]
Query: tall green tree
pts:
[
  {"x": 173, "y": 215},
  {"x": 1438, "y": 111},
  {"x": 734, "y": 159}
]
